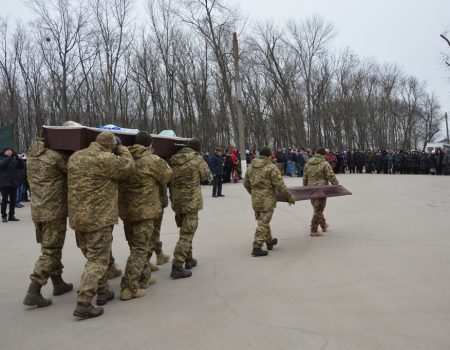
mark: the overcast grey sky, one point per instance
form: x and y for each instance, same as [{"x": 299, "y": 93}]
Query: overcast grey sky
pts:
[{"x": 405, "y": 32}]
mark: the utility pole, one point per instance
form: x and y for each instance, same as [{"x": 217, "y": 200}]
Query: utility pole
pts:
[
  {"x": 238, "y": 99},
  {"x": 446, "y": 124}
]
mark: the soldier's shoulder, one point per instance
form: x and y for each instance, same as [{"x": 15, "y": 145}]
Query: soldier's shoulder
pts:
[{"x": 198, "y": 159}]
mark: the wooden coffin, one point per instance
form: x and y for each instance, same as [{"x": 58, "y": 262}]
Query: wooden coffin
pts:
[
  {"x": 303, "y": 193},
  {"x": 76, "y": 138},
  {"x": 165, "y": 147}
]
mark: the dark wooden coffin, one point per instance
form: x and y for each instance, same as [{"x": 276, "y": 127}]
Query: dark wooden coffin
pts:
[
  {"x": 165, "y": 147},
  {"x": 303, "y": 193},
  {"x": 76, "y": 138}
]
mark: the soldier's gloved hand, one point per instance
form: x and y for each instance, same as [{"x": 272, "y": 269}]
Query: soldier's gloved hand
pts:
[
  {"x": 118, "y": 144},
  {"x": 291, "y": 199}
]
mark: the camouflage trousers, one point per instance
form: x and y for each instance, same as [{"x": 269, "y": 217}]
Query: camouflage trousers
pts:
[
  {"x": 318, "y": 218},
  {"x": 51, "y": 236},
  {"x": 96, "y": 247},
  {"x": 138, "y": 238},
  {"x": 188, "y": 225},
  {"x": 155, "y": 239},
  {"x": 263, "y": 233}
]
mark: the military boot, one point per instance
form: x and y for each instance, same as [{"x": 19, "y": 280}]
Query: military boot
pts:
[
  {"x": 153, "y": 267},
  {"x": 272, "y": 243},
  {"x": 259, "y": 252},
  {"x": 59, "y": 286},
  {"x": 145, "y": 284},
  {"x": 325, "y": 227},
  {"x": 190, "y": 263},
  {"x": 86, "y": 310},
  {"x": 128, "y": 294},
  {"x": 179, "y": 272},
  {"x": 34, "y": 296},
  {"x": 104, "y": 297},
  {"x": 162, "y": 259},
  {"x": 114, "y": 271}
]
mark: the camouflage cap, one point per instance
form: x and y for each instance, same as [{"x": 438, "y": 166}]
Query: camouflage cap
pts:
[
  {"x": 265, "y": 151},
  {"x": 143, "y": 138},
  {"x": 106, "y": 139},
  {"x": 194, "y": 144}
]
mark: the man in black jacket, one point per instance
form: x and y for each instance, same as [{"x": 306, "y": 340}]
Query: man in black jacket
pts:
[
  {"x": 10, "y": 164},
  {"x": 216, "y": 167}
]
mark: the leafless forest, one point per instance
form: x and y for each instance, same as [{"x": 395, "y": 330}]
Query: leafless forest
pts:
[{"x": 94, "y": 62}]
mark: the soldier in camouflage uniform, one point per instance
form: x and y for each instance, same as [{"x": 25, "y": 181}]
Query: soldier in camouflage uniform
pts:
[
  {"x": 139, "y": 207},
  {"x": 262, "y": 180},
  {"x": 318, "y": 172},
  {"x": 93, "y": 175},
  {"x": 47, "y": 176},
  {"x": 189, "y": 171}
]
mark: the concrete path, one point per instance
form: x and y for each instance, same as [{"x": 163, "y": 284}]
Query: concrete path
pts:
[{"x": 380, "y": 279}]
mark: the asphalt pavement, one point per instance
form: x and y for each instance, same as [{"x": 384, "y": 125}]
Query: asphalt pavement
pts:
[{"x": 379, "y": 279}]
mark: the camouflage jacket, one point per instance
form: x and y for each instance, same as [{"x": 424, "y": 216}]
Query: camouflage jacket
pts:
[
  {"x": 93, "y": 175},
  {"x": 262, "y": 180},
  {"x": 318, "y": 172},
  {"x": 189, "y": 170},
  {"x": 47, "y": 176},
  {"x": 139, "y": 193}
]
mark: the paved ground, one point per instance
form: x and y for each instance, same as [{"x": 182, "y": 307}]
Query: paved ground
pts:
[{"x": 380, "y": 279}]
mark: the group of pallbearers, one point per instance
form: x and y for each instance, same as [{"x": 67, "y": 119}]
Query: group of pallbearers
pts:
[
  {"x": 94, "y": 187},
  {"x": 97, "y": 185}
]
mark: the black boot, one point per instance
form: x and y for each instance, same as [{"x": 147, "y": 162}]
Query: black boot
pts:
[
  {"x": 59, "y": 286},
  {"x": 13, "y": 218},
  {"x": 272, "y": 243},
  {"x": 259, "y": 252},
  {"x": 179, "y": 272},
  {"x": 190, "y": 263},
  {"x": 104, "y": 297},
  {"x": 34, "y": 296},
  {"x": 86, "y": 310}
]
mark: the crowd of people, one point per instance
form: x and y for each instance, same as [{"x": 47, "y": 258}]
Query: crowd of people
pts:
[{"x": 293, "y": 160}]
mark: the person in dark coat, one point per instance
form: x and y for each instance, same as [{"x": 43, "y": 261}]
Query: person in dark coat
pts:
[
  {"x": 379, "y": 162},
  {"x": 227, "y": 167},
  {"x": 410, "y": 162},
  {"x": 403, "y": 163},
  {"x": 248, "y": 157},
  {"x": 351, "y": 161},
  {"x": 396, "y": 162},
  {"x": 360, "y": 161},
  {"x": 281, "y": 158},
  {"x": 445, "y": 162},
  {"x": 10, "y": 165},
  {"x": 424, "y": 163},
  {"x": 439, "y": 159},
  {"x": 21, "y": 187},
  {"x": 301, "y": 162},
  {"x": 216, "y": 166},
  {"x": 416, "y": 162}
]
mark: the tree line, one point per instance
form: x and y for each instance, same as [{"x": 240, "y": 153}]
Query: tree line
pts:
[{"x": 93, "y": 62}]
